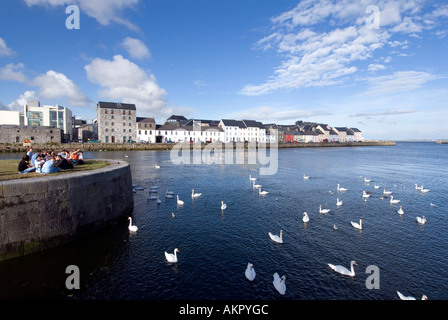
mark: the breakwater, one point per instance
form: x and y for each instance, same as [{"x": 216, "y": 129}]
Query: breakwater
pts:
[
  {"x": 169, "y": 146},
  {"x": 44, "y": 212}
]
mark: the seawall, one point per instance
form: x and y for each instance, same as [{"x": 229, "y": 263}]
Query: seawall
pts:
[{"x": 44, "y": 212}]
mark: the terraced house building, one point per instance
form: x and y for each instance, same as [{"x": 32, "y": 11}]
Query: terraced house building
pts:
[{"x": 116, "y": 122}]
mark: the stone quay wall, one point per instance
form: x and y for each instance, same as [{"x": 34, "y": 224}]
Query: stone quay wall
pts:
[{"x": 44, "y": 212}]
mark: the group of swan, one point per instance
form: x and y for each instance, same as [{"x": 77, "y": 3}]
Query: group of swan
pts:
[
  {"x": 279, "y": 283},
  {"x": 421, "y": 188}
]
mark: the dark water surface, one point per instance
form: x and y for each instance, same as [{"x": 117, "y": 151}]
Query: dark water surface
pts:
[{"x": 215, "y": 246}]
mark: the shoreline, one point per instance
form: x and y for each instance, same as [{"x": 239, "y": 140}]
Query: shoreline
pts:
[{"x": 13, "y": 148}]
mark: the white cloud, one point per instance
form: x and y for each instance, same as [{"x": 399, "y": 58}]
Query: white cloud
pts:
[
  {"x": 398, "y": 82},
  {"x": 375, "y": 67},
  {"x": 13, "y": 72},
  {"x": 4, "y": 50},
  {"x": 104, "y": 11},
  {"x": 269, "y": 114},
  {"x": 53, "y": 84},
  {"x": 136, "y": 48},
  {"x": 24, "y": 98},
  {"x": 123, "y": 80}
]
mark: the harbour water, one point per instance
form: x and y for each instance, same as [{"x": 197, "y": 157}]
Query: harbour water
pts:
[{"x": 215, "y": 246}]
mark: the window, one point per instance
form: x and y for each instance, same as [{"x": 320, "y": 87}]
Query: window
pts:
[
  {"x": 112, "y": 130},
  {"x": 130, "y": 130},
  {"x": 124, "y": 130},
  {"x": 129, "y": 113},
  {"x": 107, "y": 139},
  {"x": 111, "y": 123},
  {"x": 111, "y": 111},
  {"x": 111, "y": 117},
  {"x": 124, "y": 112},
  {"x": 105, "y": 111},
  {"x": 140, "y": 132},
  {"x": 124, "y": 117},
  {"x": 130, "y": 124},
  {"x": 146, "y": 132},
  {"x": 107, "y": 130},
  {"x": 124, "y": 124}
]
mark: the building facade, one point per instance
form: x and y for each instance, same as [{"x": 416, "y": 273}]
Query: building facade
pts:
[
  {"x": 146, "y": 130},
  {"x": 117, "y": 122},
  {"x": 18, "y": 134}
]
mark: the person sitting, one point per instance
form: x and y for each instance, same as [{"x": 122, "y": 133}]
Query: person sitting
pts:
[
  {"x": 39, "y": 162},
  {"x": 63, "y": 163},
  {"x": 50, "y": 166},
  {"x": 24, "y": 165},
  {"x": 74, "y": 156}
]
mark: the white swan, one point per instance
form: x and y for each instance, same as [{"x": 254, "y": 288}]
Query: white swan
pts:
[
  {"x": 223, "y": 205},
  {"x": 341, "y": 189},
  {"x": 334, "y": 227},
  {"x": 156, "y": 166},
  {"x": 172, "y": 214},
  {"x": 276, "y": 238},
  {"x": 394, "y": 201},
  {"x": 357, "y": 225},
  {"x": 306, "y": 177},
  {"x": 170, "y": 257},
  {"x": 386, "y": 192},
  {"x": 343, "y": 270},
  {"x": 250, "y": 272},
  {"x": 262, "y": 192},
  {"x": 158, "y": 200},
  {"x": 421, "y": 220},
  {"x": 417, "y": 188},
  {"x": 338, "y": 202},
  {"x": 179, "y": 202},
  {"x": 169, "y": 192},
  {"x": 365, "y": 195},
  {"x": 366, "y": 180},
  {"x": 252, "y": 179},
  {"x": 169, "y": 196},
  {"x": 131, "y": 227},
  {"x": 305, "y": 217},
  {"x": 433, "y": 204},
  {"x": 403, "y": 297},
  {"x": 279, "y": 283},
  {"x": 195, "y": 195},
  {"x": 424, "y": 190},
  {"x": 400, "y": 211},
  {"x": 375, "y": 186},
  {"x": 323, "y": 210},
  {"x": 256, "y": 186}
]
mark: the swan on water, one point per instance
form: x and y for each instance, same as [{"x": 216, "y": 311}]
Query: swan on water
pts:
[
  {"x": 223, "y": 205},
  {"x": 392, "y": 200},
  {"x": 252, "y": 179},
  {"x": 195, "y": 195},
  {"x": 158, "y": 200},
  {"x": 256, "y": 186},
  {"x": 418, "y": 188},
  {"x": 421, "y": 220},
  {"x": 179, "y": 202},
  {"x": 276, "y": 238},
  {"x": 365, "y": 195},
  {"x": 279, "y": 283},
  {"x": 375, "y": 186},
  {"x": 250, "y": 272},
  {"x": 170, "y": 257},
  {"x": 338, "y": 202},
  {"x": 156, "y": 166},
  {"x": 400, "y": 211},
  {"x": 305, "y": 177},
  {"x": 131, "y": 227},
  {"x": 403, "y": 297},
  {"x": 341, "y": 189},
  {"x": 366, "y": 180},
  {"x": 262, "y": 192},
  {"x": 343, "y": 270},
  {"x": 357, "y": 225},
  {"x": 424, "y": 190},
  {"x": 323, "y": 210},
  {"x": 334, "y": 227},
  {"x": 305, "y": 217},
  {"x": 386, "y": 192},
  {"x": 433, "y": 205},
  {"x": 172, "y": 214}
]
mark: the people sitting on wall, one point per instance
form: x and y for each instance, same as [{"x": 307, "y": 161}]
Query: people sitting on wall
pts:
[
  {"x": 50, "y": 166},
  {"x": 74, "y": 156},
  {"x": 34, "y": 156},
  {"x": 63, "y": 163},
  {"x": 39, "y": 162},
  {"x": 25, "y": 166}
]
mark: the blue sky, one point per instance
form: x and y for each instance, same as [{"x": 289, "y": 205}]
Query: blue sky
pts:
[{"x": 272, "y": 61}]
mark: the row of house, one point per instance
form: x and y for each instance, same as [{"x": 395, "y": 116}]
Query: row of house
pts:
[{"x": 118, "y": 123}]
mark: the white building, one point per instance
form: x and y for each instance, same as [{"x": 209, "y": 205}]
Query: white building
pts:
[
  {"x": 196, "y": 133},
  {"x": 241, "y": 131},
  {"x": 146, "y": 130},
  {"x": 11, "y": 118},
  {"x": 53, "y": 116}
]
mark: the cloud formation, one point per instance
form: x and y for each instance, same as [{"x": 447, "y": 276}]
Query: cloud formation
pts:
[
  {"x": 321, "y": 43},
  {"x": 4, "y": 50},
  {"x": 136, "y": 48},
  {"x": 104, "y": 11},
  {"x": 123, "y": 80}
]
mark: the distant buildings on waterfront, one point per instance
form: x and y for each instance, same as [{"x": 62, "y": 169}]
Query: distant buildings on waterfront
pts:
[{"x": 118, "y": 123}]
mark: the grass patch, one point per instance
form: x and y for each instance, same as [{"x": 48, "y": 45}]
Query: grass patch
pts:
[{"x": 8, "y": 169}]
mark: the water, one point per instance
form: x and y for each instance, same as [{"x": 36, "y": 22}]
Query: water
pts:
[{"x": 216, "y": 246}]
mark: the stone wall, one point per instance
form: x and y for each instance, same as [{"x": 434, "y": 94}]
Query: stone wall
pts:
[
  {"x": 43, "y": 212},
  {"x": 17, "y": 134}
]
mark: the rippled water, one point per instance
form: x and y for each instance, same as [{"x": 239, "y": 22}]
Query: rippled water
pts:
[{"x": 216, "y": 246}]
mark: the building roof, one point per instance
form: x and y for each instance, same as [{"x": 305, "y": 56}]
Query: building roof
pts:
[
  {"x": 116, "y": 105},
  {"x": 233, "y": 123},
  {"x": 253, "y": 124},
  {"x": 355, "y": 130},
  {"x": 176, "y": 118},
  {"x": 145, "y": 120}
]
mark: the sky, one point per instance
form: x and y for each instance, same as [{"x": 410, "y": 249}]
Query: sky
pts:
[{"x": 380, "y": 66}]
